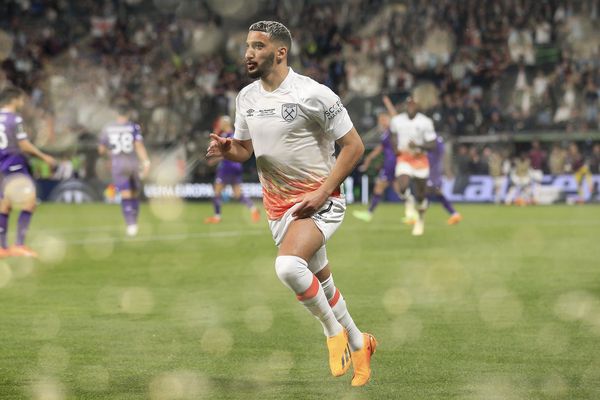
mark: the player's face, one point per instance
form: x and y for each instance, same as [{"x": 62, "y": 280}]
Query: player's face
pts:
[
  {"x": 260, "y": 54},
  {"x": 383, "y": 120},
  {"x": 19, "y": 102}
]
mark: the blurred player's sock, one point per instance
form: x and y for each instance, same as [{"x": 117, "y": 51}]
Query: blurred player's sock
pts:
[
  {"x": 217, "y": 205},
  {"x": 454, "y": 219},
  {"x": 3, "y": 230},
  {"x": 363, "y": 215},
  {"x": 128, "y": 209},
  {"x": 340, "y": 310},
  {"x": 374, "y": 202},
  {"x": 23, "y": 225},
  {"x": 447, "y": 205},
  {"x": 362, "y": 361},
  {"x": 410, "y": 211},
  {"x": 245, "y": 200},
  {"x": 136, "y": 208}
]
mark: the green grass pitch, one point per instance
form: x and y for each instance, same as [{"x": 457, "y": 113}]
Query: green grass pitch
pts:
[{"x": 505, "y": 305}]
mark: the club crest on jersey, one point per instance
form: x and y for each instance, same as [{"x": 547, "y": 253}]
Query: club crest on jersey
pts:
[{"x": 289, "y": 111}]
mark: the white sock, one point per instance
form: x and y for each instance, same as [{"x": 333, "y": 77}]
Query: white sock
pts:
[
  {"x": 340, "y": 310},
  {"x": 294, "y": 273}
]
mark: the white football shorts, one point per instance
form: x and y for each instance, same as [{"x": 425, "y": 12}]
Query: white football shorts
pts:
[
  {"x": 328, "y": 219},
  {"x": 404, "y": 168}
]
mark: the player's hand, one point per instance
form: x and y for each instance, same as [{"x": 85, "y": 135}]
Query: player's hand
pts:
[
  {"x": 310, "y": 203},
  {"x": 363, "y": 167},
  {"x": 145, "y": 170},
  {"x": 414, "y": 147},
  {"x": 218, "y": 146},
  {"x": 51, "y": 161}
]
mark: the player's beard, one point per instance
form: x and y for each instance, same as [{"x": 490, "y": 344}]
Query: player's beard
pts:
[{"x": 263, "y": 69}]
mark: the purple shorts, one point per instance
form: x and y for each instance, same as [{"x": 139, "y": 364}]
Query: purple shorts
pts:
[
  {"x": 435, "y": 180},
  {"x": 228, "y": 178},
  {"x": 127, "y": 180},
  {"x": 387, "y": 174}
]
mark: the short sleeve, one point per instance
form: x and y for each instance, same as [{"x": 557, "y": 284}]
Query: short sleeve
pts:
[
  {"x": 429, "y": 131},
  {"x": 241, "y": 126},
  {"x": 20, "y": 133},
  {"x": 137, "y": 133},
  {"x": 327, "y": 109}
]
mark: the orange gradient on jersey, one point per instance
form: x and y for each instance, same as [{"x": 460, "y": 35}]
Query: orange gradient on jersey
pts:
[
  {"x": 277, "y": 199},
  {"x": 417, "y": 161}
]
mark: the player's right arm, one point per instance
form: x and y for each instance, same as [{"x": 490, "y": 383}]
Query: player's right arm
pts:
[
  {"x": 389, "y": 106},
  {"x": 231, "y": 149}
]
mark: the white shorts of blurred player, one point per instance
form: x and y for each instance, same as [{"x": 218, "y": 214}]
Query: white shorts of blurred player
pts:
[
  {"x": 328, "y": 219},
  {"x": 520, "y": 188},
  {"x": 404, "y": 168}
]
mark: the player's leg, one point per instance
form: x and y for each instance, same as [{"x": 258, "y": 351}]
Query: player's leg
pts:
[
  {"x": 19, "y": 249},
  {"x": 362, "y": 345},
  {"x": 245, "y": 200},
  {"x": 378, "y": 191},
  {"x": 420, "y": 193},
  {"x": 4, "y": 213},
  {"x": 300, "y": 243},
  {"x": 217, "y": 203},
  {"x": 402, "y": 188},
  {"x": 437, "y": 194}
]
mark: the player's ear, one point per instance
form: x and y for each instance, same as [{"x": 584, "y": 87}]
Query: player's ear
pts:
[{"x": 281, "y": 54}]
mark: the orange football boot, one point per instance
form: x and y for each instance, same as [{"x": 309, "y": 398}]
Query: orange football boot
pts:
[
  {"x": 215, "y": 219},
  {"x": 339, "y": 353},
  {"x": 22, "y": 251},
  {"x": 454, "y": 219},
  {"x": 362, "y": 360}
]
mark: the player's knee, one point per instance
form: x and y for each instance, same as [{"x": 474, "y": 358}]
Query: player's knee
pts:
[{"x": 292, "y": 271}]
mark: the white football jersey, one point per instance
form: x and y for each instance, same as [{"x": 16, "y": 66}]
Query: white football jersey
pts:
[
  {"x": 293, "y": 131},
  {"x": 418, "y": 130}
]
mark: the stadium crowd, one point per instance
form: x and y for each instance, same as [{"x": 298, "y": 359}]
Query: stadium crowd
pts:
[{"x": 493, "y": 66}]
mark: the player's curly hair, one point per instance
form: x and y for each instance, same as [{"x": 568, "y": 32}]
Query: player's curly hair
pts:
[{"x": 275, "y": 30}]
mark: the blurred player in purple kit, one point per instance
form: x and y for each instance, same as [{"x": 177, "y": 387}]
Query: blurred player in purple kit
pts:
[
  {"x": 122, "y": 141},
  {"x": 228, "y": 173},
  {"x": 388, "y": 169},
  {"x": 436, "y": 168},
  {"x": 14, "y": 143}
]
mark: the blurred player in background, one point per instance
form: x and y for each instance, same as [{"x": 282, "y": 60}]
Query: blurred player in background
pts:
[
  {"x": 414, "y": 136},
  {"x": 434, "y": 184},
  {"x": 577, "y": 165},
  {"x": 122, "y": 142},
  {"x": 519, "y": 192},
  {"x": 228, "y": 173},
  {"x": 14, "y": 144},
  {"x": 386, "y": 173},
  {"x": 291, "y": 123}
]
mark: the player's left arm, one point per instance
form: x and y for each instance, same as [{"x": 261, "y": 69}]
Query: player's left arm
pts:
[
  {"x": 352, "y": 150},
  {"x": 27, "y": 147}
]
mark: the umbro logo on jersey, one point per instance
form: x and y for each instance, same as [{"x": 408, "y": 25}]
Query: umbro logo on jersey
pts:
[
  {"x": 289, "y": 111},
  {"x": 249, "y": 112}
]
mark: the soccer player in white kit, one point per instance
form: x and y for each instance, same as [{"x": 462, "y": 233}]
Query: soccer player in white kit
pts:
[
  {"x": 291, "y": 123},
  {"x": 415, "y": 136}
]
